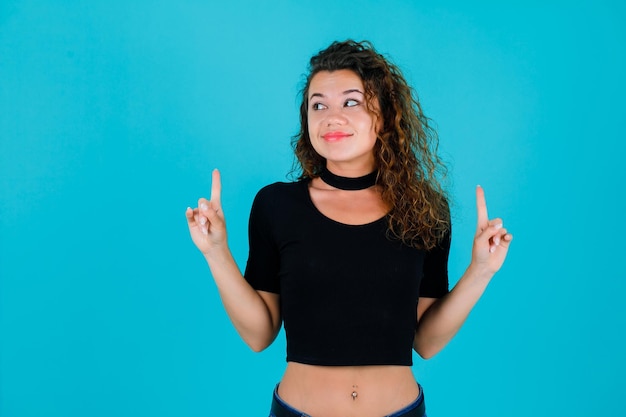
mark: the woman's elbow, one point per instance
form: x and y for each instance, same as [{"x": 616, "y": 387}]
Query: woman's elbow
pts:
[
  {"x": 425, "y": 350},
  {"x": 258, "y": 347},
  {"x": 426, "y": 353},
  {"x": 259, "y": 344}
]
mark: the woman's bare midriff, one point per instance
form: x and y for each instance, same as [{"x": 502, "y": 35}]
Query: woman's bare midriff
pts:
[{"x": 344, "y": 391}]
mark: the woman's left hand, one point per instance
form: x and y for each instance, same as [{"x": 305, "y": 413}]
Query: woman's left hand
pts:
[{"x": 491, "y": 243}]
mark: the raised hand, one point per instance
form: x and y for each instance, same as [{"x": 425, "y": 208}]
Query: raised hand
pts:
[
  {"x": 206, "y": 222},
  {"x": 491, "y": 242}
]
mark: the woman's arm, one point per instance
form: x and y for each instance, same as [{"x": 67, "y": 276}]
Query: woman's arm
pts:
[
  {"x": 255, "y": 314},
  {"x": 440, "y": 319}
]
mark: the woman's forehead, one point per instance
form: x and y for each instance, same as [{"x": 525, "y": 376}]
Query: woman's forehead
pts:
[{"x": 335, "y": 82}]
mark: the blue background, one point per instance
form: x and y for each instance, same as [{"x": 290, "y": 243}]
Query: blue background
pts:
[{"x": 112, "y": 116}]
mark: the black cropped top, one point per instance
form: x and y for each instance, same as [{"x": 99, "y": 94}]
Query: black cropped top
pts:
[{"x": 348, "y": 294}]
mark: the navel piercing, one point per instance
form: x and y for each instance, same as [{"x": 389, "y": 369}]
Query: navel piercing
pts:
[{"x": 354, "y": 393}]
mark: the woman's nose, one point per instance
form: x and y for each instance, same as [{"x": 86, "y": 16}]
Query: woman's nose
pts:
[{"x": 335, "y": 117}]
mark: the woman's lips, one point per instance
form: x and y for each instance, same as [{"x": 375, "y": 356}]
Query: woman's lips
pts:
[{"x": 334, "y": 136}]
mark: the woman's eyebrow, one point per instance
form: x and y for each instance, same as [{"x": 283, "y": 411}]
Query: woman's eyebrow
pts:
[{"x": 352, "y": 90}]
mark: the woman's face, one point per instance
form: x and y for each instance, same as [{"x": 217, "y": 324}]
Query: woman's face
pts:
[{"x": 341, "y": 127}]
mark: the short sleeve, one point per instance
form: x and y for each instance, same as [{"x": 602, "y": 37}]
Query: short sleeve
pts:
[
  {"x": 435, "y": 280},
  {"x": 263, "y": 256}
]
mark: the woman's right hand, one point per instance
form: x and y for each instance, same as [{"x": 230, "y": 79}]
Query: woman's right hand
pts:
[
  {"x": 206, "y": 222},
  {"x": 255, "y": 314}
]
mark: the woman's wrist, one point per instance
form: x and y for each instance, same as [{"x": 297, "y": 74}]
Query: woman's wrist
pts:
[
  {"x": 217, "y": 253},
  {"x": 478, "y": 274}
]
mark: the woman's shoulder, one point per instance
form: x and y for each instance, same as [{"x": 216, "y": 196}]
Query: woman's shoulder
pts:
[
  {"x": 280, "y": 191},
  {"x": 280, "y": 199}
]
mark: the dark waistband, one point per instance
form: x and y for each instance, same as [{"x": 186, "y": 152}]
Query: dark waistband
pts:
[{"x": 281, "y": 409}]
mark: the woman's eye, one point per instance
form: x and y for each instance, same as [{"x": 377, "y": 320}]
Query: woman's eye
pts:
[
  {"x": 351, "y": 103},
  {"x": 318, "y": 106}
]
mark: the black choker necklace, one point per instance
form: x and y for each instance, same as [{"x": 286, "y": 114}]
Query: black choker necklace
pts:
[{"x": 347, "y": 183}]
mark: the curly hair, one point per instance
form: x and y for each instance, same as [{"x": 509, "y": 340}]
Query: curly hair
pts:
[{"x": 409, "y": 169}]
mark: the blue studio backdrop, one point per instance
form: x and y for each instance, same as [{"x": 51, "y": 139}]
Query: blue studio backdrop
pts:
[{"x": 114, "y": 113}]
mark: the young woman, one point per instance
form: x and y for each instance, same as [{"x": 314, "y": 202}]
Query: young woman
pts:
[{"x": 352, "y": 257}]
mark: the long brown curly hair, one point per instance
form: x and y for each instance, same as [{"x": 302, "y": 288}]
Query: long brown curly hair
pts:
[{"x": 409, "y": 170}]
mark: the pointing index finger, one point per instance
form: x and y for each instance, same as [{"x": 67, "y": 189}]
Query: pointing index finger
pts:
[
  {"x": 481, "y": 208},
  {"x": 216, "y": 189}
]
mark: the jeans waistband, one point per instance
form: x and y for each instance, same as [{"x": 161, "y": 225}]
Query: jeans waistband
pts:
[{"x": 281, "y": 409}]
